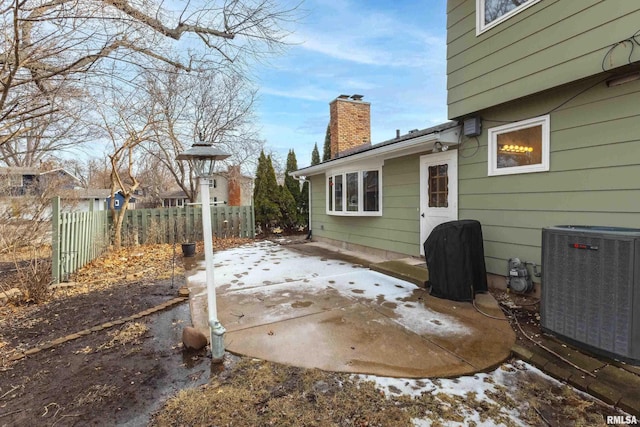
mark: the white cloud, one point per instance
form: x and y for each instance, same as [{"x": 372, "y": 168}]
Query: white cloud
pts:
[
  {"x": 367, "y": 36},
  {"x": 306, "y": 93}
]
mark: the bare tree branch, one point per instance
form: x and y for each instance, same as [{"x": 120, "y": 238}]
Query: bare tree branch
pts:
[
  {"x": 54, "y": 47},
  {"x": 216, "y": 107}
]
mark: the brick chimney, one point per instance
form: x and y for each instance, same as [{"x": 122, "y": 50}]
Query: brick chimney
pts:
[
  {"x": 349, "y": 124},
  {"x": 235, "y": 192}
]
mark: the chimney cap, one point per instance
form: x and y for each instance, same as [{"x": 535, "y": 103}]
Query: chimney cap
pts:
[
  {"x": 357, "y": 97},
  {"x": 343, "y": 96}
]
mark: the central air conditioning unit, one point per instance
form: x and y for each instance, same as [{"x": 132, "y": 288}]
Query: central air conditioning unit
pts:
[{"x": 591, "y": 288}]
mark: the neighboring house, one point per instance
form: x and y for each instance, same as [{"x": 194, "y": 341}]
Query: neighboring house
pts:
[
  {"x": 119, "y": 201},
  {"x": 81, "y": 199},
  {"x": 20, "y": 181},
  {"x": 383, "y": 198},
  {"x": 549, "y": 93},
  {"x": 229, "y": 188},
  {"x": 87, "y": 199},
  {"x": 173, "y": 199}
]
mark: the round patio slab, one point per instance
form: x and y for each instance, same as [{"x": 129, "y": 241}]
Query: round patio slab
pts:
[{"x": 316, "y": 311}]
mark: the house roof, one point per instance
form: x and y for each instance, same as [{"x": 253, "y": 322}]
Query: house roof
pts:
[
  {"x": 15, "y": 170},
  {"x": 410, "y": 143},
  {"x": 19, "y": 170},
  {"x": 177, "y": 194},
  {"x": 62, "y": 170},
  {"x": 94, "y": 193}
]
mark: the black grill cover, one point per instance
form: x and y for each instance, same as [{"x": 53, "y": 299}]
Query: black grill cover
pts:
[{"x": 455, "y": 259}]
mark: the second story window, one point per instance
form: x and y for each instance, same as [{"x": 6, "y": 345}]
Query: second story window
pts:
[{"x": 490, "y": 13}]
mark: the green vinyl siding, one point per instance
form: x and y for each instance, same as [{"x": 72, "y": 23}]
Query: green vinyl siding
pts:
[
  {"x": 397, "y": 230},
  {"x": 547, "y": 45},
  {"x": 594, "y": 176}
]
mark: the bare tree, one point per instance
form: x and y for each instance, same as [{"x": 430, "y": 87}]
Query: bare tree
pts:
[
  {"x": 52, "y": 47},
  {"x": 79, "y": 168},
  {"x": 212, "y": 107},
  {"x": 127, "y": 123},
  {"x": 99, "y": 173},
  {"x": 155, "y": 179},
  {"x": 42, "y": 139}
]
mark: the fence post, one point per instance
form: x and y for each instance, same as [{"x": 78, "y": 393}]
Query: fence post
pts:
[{"x": 55, "y": 239}]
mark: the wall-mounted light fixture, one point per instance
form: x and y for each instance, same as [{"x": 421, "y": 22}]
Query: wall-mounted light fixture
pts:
[
  {"x": 625, "y": 78},
  {"x": 438, "y": 147}
]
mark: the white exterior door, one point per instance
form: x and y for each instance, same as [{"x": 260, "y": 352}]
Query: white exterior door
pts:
[{"x": 438, "y": 191}]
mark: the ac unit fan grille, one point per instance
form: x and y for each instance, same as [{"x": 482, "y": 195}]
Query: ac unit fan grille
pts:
[{"x": 587, "y": 294}]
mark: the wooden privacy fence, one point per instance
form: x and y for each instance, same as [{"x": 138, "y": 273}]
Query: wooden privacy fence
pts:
[
  {"x": 81, "y": 237},
  {"x": 180, "y": 225},
  {"x": 78, "y": 238}
]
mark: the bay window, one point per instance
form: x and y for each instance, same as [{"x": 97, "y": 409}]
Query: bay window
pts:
[{"x": 355, "y": 193}]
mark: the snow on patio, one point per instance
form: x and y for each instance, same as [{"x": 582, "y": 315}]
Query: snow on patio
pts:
[{"x": 267, "y": 269}]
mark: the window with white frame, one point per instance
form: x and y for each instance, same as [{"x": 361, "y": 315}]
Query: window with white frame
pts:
[
  {"x": 355, "y": 192},
  {"x": 519, "y": 147},
  {"x": 490, "y": 13}
]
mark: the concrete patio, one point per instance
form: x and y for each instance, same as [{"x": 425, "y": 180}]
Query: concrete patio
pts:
[{"x": 307, "y": 306}]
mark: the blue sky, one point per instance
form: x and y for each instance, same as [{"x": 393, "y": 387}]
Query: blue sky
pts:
[{"x": 392, "y": 52}]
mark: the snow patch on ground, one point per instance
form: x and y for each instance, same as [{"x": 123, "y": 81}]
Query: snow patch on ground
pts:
[
  {"x": 424, "y": 321},
  {"x": 265, "y": 263},
  {"x": 482, "y": 385}
]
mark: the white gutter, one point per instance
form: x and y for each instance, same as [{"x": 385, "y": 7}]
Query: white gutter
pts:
[{"x": 449, "y": 137}]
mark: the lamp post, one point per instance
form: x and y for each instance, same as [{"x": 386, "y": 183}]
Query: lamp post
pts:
[{"x": 203, "y": 158}]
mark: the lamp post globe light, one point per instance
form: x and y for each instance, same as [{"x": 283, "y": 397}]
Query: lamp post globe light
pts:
[{"x": 203, "y": 158}]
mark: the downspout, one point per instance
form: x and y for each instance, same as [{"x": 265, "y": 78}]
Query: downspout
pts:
[{"x": 302, "y": 180}]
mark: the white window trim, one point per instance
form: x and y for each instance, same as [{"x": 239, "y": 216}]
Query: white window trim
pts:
[
  {"x": 543, "y": 166},
  {"x": 481, "y": 27},
  {"x": 359, "y": 170}
]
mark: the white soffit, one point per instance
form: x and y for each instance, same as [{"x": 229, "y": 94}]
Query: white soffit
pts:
[{"x": 415, "y": 145}]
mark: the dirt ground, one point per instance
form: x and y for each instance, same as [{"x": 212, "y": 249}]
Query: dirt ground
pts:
[
  {"x": 114, "y": 376},
  {"x": 126, "y": 374},
  {"x": 109, "y": 377}
]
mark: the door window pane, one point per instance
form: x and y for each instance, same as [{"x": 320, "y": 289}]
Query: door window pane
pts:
[
  {"x": 371, "y": 191},
  {"x": 438, "y": 186}
]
